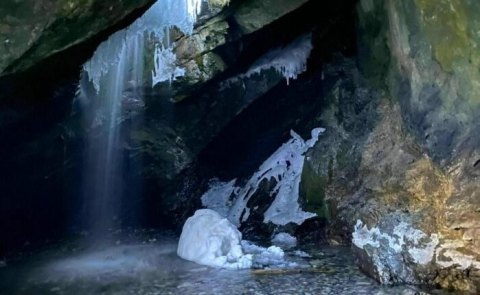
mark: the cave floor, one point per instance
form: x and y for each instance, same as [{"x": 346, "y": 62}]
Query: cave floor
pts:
[{"x": 149, "y": 265}]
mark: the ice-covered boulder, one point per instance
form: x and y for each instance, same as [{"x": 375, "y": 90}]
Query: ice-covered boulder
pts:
[{"x": 209, "y": 239}]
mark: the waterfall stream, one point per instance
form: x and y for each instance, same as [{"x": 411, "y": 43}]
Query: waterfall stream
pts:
[{"x": 110, "y": 92}]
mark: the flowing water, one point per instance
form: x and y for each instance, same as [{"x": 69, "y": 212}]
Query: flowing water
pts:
[
  {"x": 111, "y": 96},
  {"x": 146, "y": 263},
  {"x": 104, "y": 111}
]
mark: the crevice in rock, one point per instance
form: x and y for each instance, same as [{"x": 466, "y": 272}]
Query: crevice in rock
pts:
[{"x": 476, "y": 163}]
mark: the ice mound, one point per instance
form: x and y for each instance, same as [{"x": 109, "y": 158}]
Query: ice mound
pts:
[{"x": 209, "y": 239}]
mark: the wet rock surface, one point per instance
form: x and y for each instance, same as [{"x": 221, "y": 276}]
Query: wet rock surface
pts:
[{"x": 398, "y": 151}]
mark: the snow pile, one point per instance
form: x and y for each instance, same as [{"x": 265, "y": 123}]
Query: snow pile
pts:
[
  {"x": 284, "y": 240},
  {"x": 211, "y": 240},
  {"x": 285, "y": 166},
  {"x": 290, "y": 60},
  {"x": 155, "y": 23}
]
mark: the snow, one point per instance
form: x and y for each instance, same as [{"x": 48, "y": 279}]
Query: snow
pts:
[
  {"x": 290, "y": 60},
  {"x": 284, "y": 240},
  {"x": 209, "y": 239},
  {"x": 155, "y": 23}
]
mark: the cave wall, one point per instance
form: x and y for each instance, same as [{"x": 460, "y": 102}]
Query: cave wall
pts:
[
  {"x": 41, "y": 152},
  {"x": 31, "y": 31},
  {"x": 400, "y": 156},
  {"x": 396, "y": 171}
]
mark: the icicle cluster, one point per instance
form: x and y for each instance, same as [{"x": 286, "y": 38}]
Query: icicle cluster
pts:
[
  {"x": 156, "y": 22},
  {"x": 290, "y": 60}
]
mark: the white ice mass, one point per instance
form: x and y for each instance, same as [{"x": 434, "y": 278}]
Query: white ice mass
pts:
[
  {"x": 209, "y": 239},
  {"x": 285, "y": 166}
]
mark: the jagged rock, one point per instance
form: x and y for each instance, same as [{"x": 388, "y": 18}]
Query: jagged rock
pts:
[
  {"x": 206, "y": 53},
  {"x": 411, "y": 150},
  {"x": 253, "y": 15},
  {"x": 31, "y": 31},
  {"x": 396, "y": 171}
]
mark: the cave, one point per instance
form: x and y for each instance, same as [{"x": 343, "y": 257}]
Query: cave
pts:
[{"x": 239, "y": 147}]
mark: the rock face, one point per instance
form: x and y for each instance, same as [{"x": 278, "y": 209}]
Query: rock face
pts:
[
  {"x": 396, "y": 173},
  {"x": 31, "y": 31},
  {"x": 400, "y": 165},
  {"x": 44, "y": 127},
  {"x": 223, "y": 41}
]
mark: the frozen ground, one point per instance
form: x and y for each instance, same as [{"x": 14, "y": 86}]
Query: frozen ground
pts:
[{"x": 151, "y": 266}]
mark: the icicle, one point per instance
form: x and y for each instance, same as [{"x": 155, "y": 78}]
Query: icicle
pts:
[
  {"x": 156, "y": 22},
  {"x": 290, "y": 61},
  {"x": 165, "y": 66}
]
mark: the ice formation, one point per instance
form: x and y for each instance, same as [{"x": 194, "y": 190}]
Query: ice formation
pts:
[
  {"x": 290, "y": 60},
  {"x": 204, "y": 234},
  {"x": 285, "y": 167},
  {"x": 421, "y": 252},
  {"x": 209, "y": 239},
  {"x": 388, "y": 249},
  {"x": 284, "y": 240},
  {"x": 218, "y": 196},
  {"x": 166, "y": 68},
  {"x": 155, "y": 23},
  {"x": 272, "y": 256},
  {"x": 454, "y": 258}
]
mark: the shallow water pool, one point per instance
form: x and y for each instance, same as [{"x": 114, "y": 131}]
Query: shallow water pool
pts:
[{"x": 151, "y": 266}]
